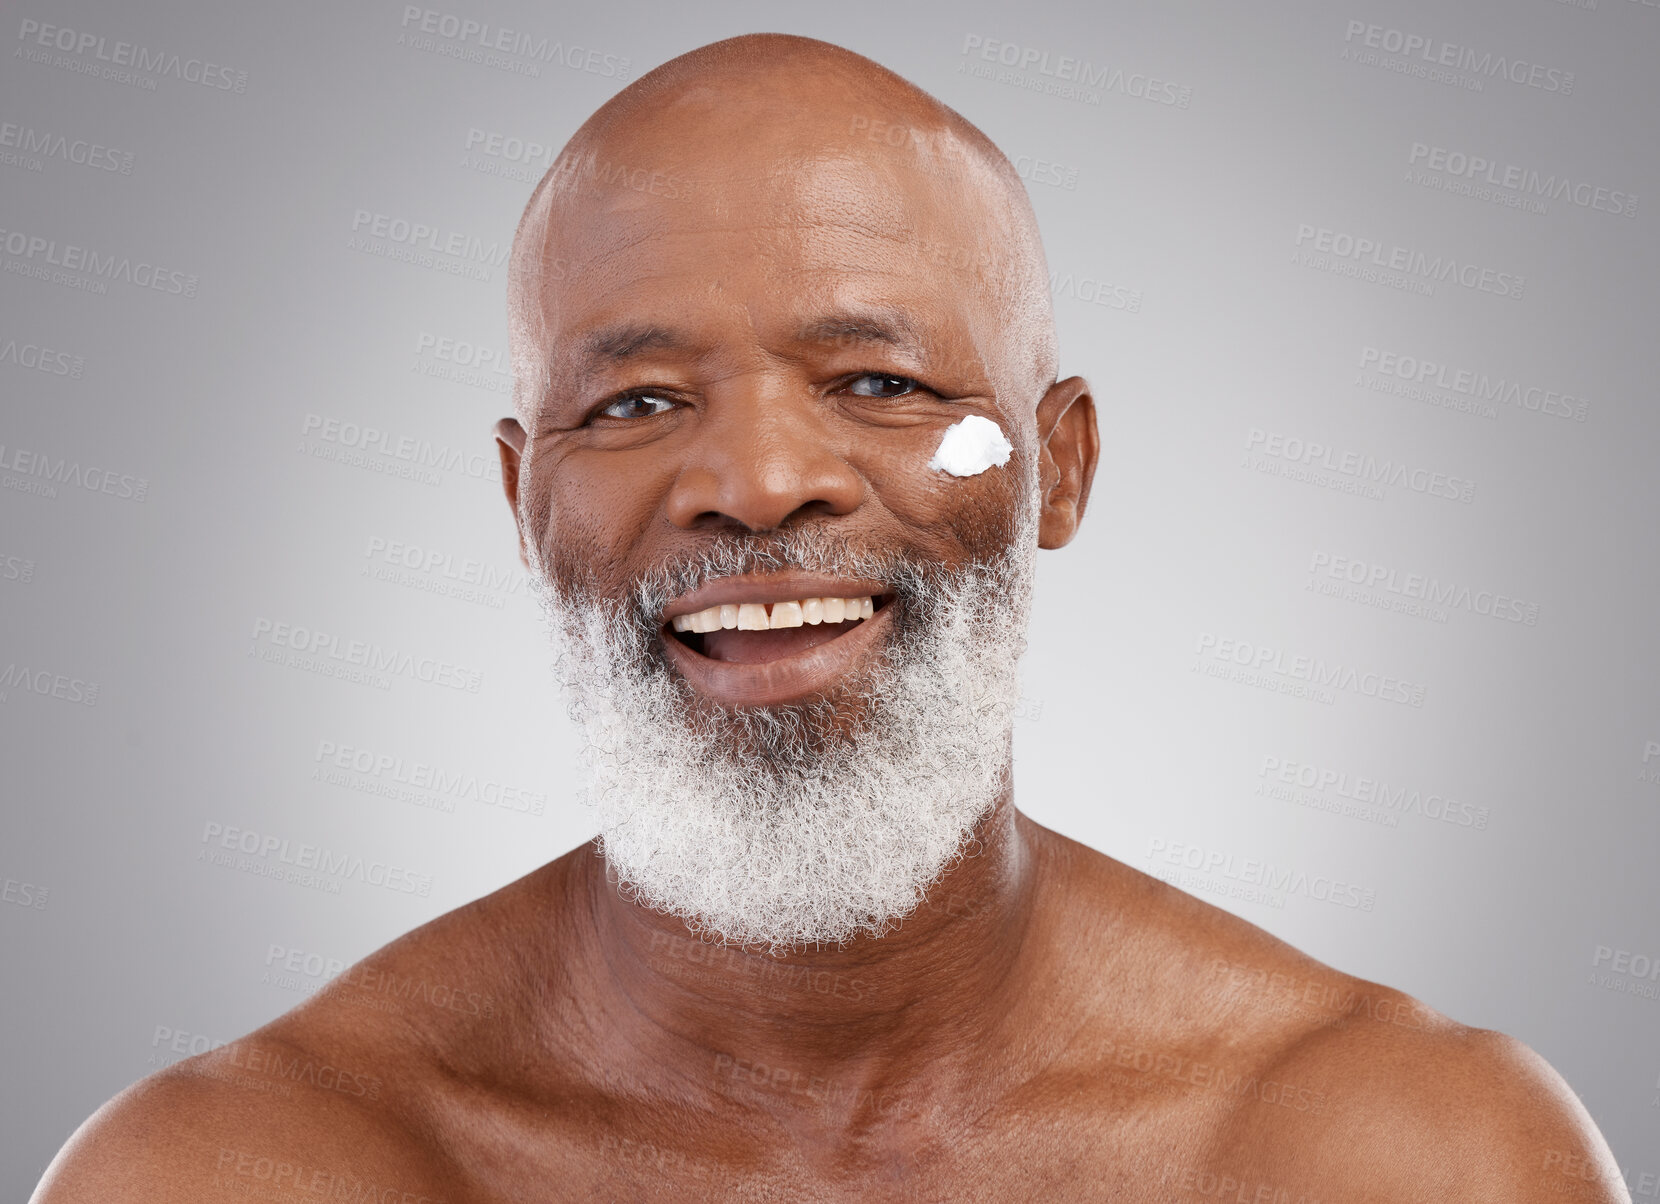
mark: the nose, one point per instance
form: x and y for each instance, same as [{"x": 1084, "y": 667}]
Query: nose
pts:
[{"x": 762, "y": 456}]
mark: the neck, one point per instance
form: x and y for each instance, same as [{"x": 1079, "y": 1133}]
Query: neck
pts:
[{"x": 882, "y": 1017}]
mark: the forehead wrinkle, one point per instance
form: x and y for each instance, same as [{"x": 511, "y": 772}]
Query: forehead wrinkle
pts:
[
  {"x": 799, "y": 229},
  {"x": 814, "y": 205},
  {"x": 847, "y": 266}
]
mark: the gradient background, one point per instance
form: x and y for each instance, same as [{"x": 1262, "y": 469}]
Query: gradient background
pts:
[{"x": 1185, "y": 221}]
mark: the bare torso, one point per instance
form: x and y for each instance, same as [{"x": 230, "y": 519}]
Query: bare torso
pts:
[{"x": 1160, "y": 1050}]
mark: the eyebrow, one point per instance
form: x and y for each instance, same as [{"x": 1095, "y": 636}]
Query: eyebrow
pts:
[
  {"x": 615, "y": 344},
  {"x": 890, "y": 327},
  {"x": 623, "y": 341}
]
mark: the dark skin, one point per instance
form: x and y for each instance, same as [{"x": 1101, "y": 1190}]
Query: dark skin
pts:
[{"x": 1051, "y": 1025}]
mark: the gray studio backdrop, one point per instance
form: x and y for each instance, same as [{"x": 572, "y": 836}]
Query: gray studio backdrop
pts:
[{"x": 1357, "y": 641}]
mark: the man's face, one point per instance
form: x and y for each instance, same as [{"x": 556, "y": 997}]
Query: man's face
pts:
[
  {"x": 741, "y": 356},
  {"x": 746, "y": 382}
]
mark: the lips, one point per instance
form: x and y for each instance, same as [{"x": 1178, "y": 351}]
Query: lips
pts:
[{"x": 745, "y": 666}]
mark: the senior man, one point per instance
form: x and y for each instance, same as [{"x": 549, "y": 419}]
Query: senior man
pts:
[{"x": 789, "y": 433}]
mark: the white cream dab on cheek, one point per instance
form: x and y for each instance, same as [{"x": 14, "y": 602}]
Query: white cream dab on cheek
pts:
[{"x": 970, "y": 447}]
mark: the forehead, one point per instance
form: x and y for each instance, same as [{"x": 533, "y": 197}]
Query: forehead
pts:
[{"x": 770, "y": 226}]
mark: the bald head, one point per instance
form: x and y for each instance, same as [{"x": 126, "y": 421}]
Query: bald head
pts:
[{"x": 786, "y": 133}]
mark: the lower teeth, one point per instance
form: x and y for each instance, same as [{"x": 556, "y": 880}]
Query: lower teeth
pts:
[{"x": 695, "y": 640}]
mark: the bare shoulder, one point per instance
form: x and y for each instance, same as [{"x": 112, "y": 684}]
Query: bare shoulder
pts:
[
  {"x": 1429, "y": 1109},
  {"x": 1305, "y": 1080},
  {"x": 211, "y": 1130},
  {"x": 345, "y": 1096}
]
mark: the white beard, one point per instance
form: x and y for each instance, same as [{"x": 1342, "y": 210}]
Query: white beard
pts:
[{"x": 788, "y": 826}]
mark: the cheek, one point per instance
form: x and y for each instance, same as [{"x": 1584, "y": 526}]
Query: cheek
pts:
[
  {"x": 986, "y": 506},
  {"x": 591, "y": 514},
  {"x": 974, "y": 512}
]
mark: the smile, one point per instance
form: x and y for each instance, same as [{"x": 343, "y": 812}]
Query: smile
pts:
[{"x": 763, "y": 639}]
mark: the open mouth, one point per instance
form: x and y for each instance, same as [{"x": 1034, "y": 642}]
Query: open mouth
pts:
[{"x": 760, "y": 632}]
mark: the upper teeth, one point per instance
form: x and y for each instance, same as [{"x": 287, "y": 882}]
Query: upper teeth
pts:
[{"x": 753, "y": 616}]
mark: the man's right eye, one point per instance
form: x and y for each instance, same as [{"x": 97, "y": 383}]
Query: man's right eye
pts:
[
  {"x": 883, "y": 384},
  {"x": 635, "y": 405}
]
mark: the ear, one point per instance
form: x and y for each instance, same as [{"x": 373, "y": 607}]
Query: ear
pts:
[
  {"x": 1068, "y": 448},
  {"x": 510, "y": 444}
]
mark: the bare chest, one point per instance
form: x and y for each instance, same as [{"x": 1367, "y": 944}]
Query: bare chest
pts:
[{"x": 1164, "y": 1153}]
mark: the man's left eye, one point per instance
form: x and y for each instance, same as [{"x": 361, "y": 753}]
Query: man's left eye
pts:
[
  {"x": 882, "y": 384},
  {"x": 636, "y": 405}
]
